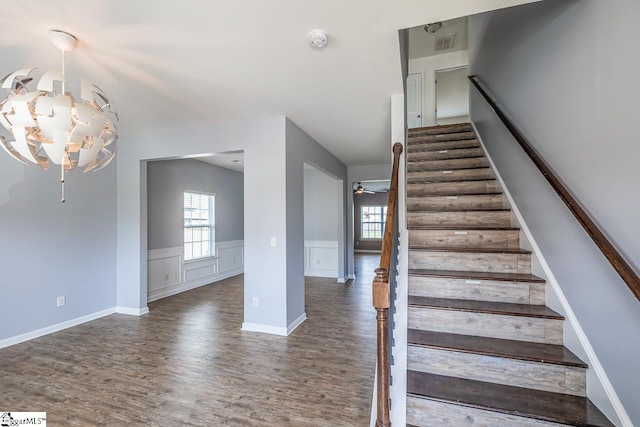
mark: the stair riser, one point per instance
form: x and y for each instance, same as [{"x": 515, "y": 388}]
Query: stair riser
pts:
[
  {"x": 426, "y": 412},
  {"x": 519, "y": 373},
  {"x": 459, "y": 218},
  {"x": 455, "y": 202},
  {"x": 477, "y": 290},
  {"x": 455, "y": 175},
  {"x": 415, "y": 147},
  {"x": 519, "y": 328},
  {"x": 460, "y": 261},
  {"x": 418, "y": 137},
  {"x": 461, "y": 188},
  {"x": 494, "y": 239},
  {"x": 433, "y": 165},
  {"x": 442, "y": 129},
  {"x": 444, "y": 154}
]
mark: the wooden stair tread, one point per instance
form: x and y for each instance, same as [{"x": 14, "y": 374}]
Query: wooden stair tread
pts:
[
  {"x": 426, "y": 147},
  {"x": 524, "y": 402},
  {"x": 457, "y": 170},
  {"x": 510, "y": 349},
  {"x": 465, "y": 210},
  {"x": 415, "y": 198},
  {"x": 442, "y": 128},
  {"x": 476, "y": 275},
  {"x": 472, "y": 250},
  {"x": 509, "y": 309},
  {"x": 441, "y": 181},
  {"x": 409, "y": 160},
  {"x": 459, "y": 227}
]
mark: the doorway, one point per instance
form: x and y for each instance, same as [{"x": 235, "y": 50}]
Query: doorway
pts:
[{"x": 452, "y": 95}]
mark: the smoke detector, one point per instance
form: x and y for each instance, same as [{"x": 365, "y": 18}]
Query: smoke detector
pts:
[
  {"x": 433, "y": 27},
  {"x": 318, "y": 39}
]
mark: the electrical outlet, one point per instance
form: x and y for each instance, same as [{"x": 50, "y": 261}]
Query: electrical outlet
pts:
[
  {"x": 255, "y": 302},
  {"x": 60, "y": 301},
  {"x": 273, "y": 241}
]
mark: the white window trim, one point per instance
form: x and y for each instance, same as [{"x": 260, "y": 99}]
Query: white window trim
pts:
[
  {"x": 371, "y": 239},
  {"x": 212, "y": 242}
]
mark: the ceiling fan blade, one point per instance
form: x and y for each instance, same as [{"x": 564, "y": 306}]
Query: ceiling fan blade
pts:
[{"x": 369, "y": 192}]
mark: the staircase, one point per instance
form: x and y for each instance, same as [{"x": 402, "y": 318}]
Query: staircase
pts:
[{"x": 483, "y": 350}]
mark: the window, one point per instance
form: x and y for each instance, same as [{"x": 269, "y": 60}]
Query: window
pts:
[
  {"x": 199, "y": 225},
  {"x": 372, "y": 220}
]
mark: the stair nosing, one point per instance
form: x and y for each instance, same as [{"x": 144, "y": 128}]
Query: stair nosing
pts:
[
  {"x": 474, "y": 275},
  {"x": 484, "y": 390},
  {"x": 497, "y": 308},
  {"x": 417, "y": 147},
  {"x": 446, "y": 160},
  {"x": 448, "y": 182},
  {"x": 473, "y": 210},
  {"x": 568, "y": 358}
]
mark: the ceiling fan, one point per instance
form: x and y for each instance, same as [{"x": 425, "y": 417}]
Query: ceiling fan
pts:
[{"x": 360, "y": 190}]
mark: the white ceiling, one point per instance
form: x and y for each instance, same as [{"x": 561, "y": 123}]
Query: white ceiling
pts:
[
  {"x": 167, "y": 64},
  {"x": 421, "y": 43}
]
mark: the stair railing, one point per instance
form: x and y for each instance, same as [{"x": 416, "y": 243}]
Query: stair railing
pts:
[
  {"x": 622, "y": 267},
  {"x": 383, "y": 295}
]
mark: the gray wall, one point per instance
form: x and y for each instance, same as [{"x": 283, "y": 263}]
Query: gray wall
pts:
[
  {"x": 301, "y": 148},
  {"x": 565, "y": 71},
  {"x": 322, "y": 215},
  {"x": 167, "y": 180},
  {"x": 378, "y": 199},
  {"x": 274, "y": 152},
  {"x": 52, "y": 249}
]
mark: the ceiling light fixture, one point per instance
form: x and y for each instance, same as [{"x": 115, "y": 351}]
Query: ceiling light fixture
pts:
[
  {"x": 359, "y": 189},
  {"x": 236, "y": 161},
  {"x": 433, "y": 27},
  {"x": 51, "y": 125},
  {"x": 318, "y": 39}
]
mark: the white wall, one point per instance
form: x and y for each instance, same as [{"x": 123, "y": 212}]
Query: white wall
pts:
[
  {"x": 572, "y": 91},
  {"x": 428, "y": 66}
]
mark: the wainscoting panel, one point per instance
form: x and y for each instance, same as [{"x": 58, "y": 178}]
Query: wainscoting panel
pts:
[
  {"x": 169, "y": 274},
  {"x": 321, "y": 258}
]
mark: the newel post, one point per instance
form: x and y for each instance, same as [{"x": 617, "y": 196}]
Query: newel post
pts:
[{"x": 381, "y": 303}]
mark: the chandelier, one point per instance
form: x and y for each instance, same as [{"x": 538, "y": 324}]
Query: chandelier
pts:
[{"x": 50, "y": 125}]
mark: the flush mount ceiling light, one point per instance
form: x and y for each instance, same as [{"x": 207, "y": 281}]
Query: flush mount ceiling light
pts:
[
  {"x": 433, "y": 27},
  {"x": 51, "y": 125},
  {"x": 318, "y": 39}
]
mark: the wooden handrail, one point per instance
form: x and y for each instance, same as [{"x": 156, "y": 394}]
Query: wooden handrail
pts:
[
  {"x": 381, "y": 296},
  {"x": 626, "y": 272}
]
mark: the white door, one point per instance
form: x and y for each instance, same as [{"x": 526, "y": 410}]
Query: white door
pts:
[{"x": 414, "y": 100}]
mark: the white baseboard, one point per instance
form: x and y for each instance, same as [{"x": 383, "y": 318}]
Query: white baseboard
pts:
[
  {"x": 55, "y": 328},
  {"x": 274, "y": 330},
  {"x": 342, "y": 280},
  {"x": 182, "y": 287},
  {"x": 327, "y": 274},
  {"x": 132, "y": 311},
  {"x": 593, "y": 361},
  {"x": 265, "y": 329},
  {"x": 351, "y": 276},
  {"x": 296, "y": 323},
  {"x": 367, "y": 251}
]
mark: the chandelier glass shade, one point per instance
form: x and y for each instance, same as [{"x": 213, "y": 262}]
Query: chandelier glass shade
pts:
[{"x": 50, "y": 125}]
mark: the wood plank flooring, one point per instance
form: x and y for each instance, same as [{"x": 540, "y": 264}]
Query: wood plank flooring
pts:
[{"x": 187, "y": 363}]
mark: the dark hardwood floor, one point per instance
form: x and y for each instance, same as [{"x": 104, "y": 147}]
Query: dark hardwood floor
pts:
[{"x": 187, "y": 363}]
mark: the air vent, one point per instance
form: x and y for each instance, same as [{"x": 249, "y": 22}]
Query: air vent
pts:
[{"x": 444, "y": 43}]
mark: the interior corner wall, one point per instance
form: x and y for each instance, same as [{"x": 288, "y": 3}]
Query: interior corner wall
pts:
[
  {"x": 52, "y": 249},
  {"x": 321, "y": 214},
  {"x": 166, "y": 182},
  {"x": 554, "y": 69},
  {"x": 300, "y": 149},
  {"x": 263, "y": 143},
  {"x": 377, "y": 199},
  {"x": 428, "y": 66}
]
